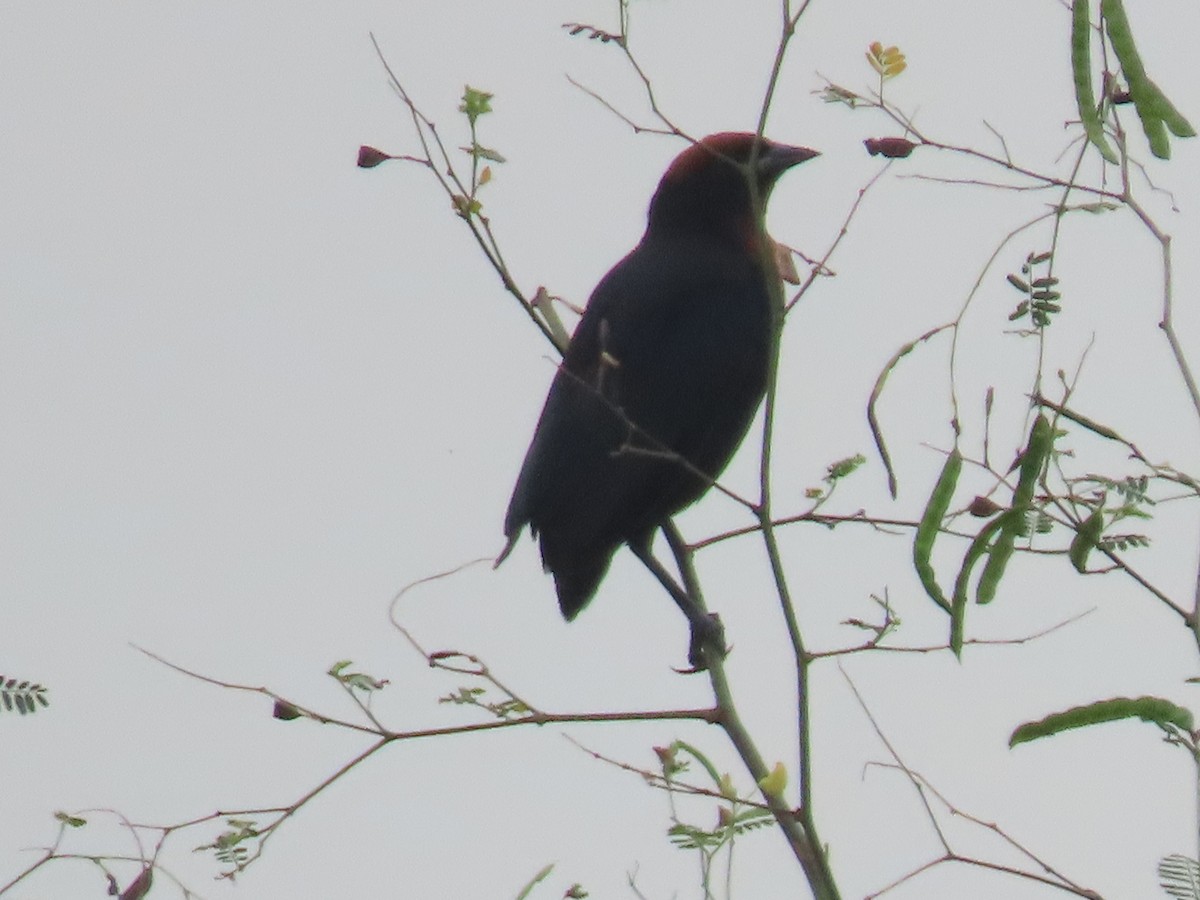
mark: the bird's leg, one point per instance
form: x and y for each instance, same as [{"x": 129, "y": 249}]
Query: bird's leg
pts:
[{"x": 708, "y": 634}]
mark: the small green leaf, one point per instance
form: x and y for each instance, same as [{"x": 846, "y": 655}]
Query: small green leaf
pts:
[
  {"x": 1179, "y": 876},
  {"x": 843, "y": 467},
  {"x": 534, "y": 881},
  {"x": 489, "y": 154},
  {"x": 774, "y": 782},
  {"x": 1018, "y": 283},
  {"x": 475, "y": 103},
  {"x": 1097, "y": 208}
]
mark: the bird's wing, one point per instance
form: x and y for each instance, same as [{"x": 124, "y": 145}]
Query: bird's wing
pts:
[{"x": 663, "y": 345}]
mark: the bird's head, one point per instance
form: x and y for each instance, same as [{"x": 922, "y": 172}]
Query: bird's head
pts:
[{"x": 707, "y": 188}]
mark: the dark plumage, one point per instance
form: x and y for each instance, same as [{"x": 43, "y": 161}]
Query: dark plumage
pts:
[{"x": 669, "y": 361}]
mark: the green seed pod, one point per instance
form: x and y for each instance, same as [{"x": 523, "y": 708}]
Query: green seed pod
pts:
[
  {"x": 1037, "y": 451},
  {"x": 1165, "y": 110},
  {"x": 1121, "y": 37},
  {"x": 1153, "y": 108},
  {"x": 1085, "y": 539},
  {"x": 1081, "y": 68},
  {"x": 958, "y": 610},
  {"x": 931, "y": 522}
]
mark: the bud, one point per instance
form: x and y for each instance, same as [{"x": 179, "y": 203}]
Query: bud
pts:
[
  {"x": 891, "y": 147},
  {"x": 775, "y": 781},
  {"x": 369, "y": 157},
  {"x": 982, "y": 507}
]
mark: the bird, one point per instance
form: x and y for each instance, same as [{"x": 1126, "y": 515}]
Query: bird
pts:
[{"x": 662, "y": 377}]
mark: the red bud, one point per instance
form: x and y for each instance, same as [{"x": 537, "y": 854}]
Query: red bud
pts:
[
  {"x": 982, "y": 507},
  {"x": 891, "y": 147},
  {"x": 369, "y": 157}
]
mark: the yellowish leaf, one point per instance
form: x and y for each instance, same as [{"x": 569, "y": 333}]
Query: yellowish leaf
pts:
[{"x": 775, "y": 781}]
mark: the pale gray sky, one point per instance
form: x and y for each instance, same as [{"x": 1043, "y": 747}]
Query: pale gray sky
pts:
[{"x": 249, "y": 391}]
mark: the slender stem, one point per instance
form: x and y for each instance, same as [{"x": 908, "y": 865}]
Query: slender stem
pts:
[{"x": 793, "y": 823}]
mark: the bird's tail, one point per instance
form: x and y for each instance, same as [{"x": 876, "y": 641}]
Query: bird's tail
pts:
[{"x": 577, "y": 575}]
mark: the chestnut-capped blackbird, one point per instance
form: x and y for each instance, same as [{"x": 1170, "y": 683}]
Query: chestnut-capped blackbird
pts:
[{"x": 662, "y": 377}]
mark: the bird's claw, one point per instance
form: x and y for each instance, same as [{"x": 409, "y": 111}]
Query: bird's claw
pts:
[{"x": 707, "y": 643}]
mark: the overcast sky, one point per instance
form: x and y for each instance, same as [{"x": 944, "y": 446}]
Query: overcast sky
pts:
[{"x": 248, "y": 392}]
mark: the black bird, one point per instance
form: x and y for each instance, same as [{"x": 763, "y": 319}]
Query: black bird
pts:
[{"x": 662, "y": 377}]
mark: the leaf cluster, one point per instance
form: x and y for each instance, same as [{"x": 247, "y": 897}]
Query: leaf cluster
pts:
[{"x": 26, "y": 697}]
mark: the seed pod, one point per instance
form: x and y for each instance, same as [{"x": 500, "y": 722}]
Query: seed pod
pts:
[
  {"x": 958, "y": 609},
  {"x": 1153, "y": 107},
  {"x": 1037, "y": 451},
  {"x": 931, "y": 522},
  {"x": 1085, "y": 539},
  {"x": 1081, "y": 68}
]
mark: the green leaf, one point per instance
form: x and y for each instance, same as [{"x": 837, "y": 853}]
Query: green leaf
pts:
[
  {"x": 844, "y": 467},
  {"x": 775, "y": 781},
  {"x": 1180, "y": 876},
  {"x": 1017, "y": 282},
  {"x": 487, "y": 153},
  {"x": 533, "y": 882},
  {"x": 475, "y": 103},
  {"x": 1097, "y": 208},
  {"x": 1149, "y": 709},
  {"x": 22, "y": 695},
  {"x": 717, "y": 777}
]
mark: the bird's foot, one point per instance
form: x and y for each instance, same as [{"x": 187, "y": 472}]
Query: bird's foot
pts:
[{"x": 707, "y": 643}]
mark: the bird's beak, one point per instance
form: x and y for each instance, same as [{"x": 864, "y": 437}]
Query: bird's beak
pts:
[{"x": 778, "y": 158}]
